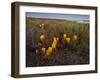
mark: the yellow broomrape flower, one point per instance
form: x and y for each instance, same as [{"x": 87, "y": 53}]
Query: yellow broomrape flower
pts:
[
  {"x": 54, "y": 45},
  {"x": 64, "y": 36},
  {"x": 55, "y": 42},
  {"x": 42, "y": 24},
  {"x": 54, "y": 38},
  {"x": 75, "y": 37},
  {"x": 43, "y": 50},
  {"x": 68, "y": 40},
  {"x": 49, "y": 51},
  {"x": 42, "y": 37},
  {"x": 57, "y": 39}
]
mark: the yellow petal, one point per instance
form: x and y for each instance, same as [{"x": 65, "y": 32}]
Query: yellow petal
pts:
[
  {"x": 75, "y": 37},
  {"x": 54, "y": 45},
  {"x": 64, "y": 36},
  {"x": 49, "y": 51},
  {"x": 42, "y": 24},
  {"x": 43, "y": 50},
  {"x": 42, "y": 37},
  {"x": 57, "y": 39},
  {"x": 68, "y": 40}
]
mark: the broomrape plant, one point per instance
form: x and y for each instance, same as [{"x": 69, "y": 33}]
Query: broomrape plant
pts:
[{"x": 49, "y": 51}]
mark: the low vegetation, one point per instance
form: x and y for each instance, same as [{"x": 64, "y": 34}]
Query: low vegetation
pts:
[{"x": 56, "y": 42}]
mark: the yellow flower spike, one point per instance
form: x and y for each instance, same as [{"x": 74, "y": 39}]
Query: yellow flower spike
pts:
[
  {"x": 43, "y": 50},
  {"x": 42, "y": 37},
  {"x": 57, "y": 39},
  {"x": 68, "y": 40},
  {"x": 53, "y": 45},
  {"x": 75, "y": 37},
  {"x": 49, "y": 51},
  {"x": 54, "y": 39},
  {"x": 55, "y": 42},
  {"x": 42, "y": 24},
  {"x": 64, "y": 36}
]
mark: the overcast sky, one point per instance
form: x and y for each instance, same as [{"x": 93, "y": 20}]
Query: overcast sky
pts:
[{"x": 58, "y": 16}]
